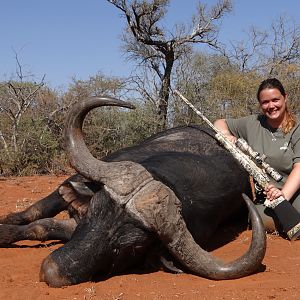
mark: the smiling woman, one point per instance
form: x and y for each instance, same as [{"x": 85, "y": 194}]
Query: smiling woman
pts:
[
  {"x": 275, "y": 133},
  {"x": 273, "y": 102}
]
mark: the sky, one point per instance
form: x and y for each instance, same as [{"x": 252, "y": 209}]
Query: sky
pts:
[{"x": 65, "y": 39}]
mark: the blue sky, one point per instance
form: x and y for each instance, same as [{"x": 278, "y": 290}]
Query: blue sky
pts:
[{"x": 78, "y": 38}]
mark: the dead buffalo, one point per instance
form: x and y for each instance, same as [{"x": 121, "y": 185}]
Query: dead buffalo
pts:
[{"x": 170, "y": 194}]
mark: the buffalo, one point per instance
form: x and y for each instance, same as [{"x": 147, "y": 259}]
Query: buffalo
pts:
[{"x": 167, "y": 196}]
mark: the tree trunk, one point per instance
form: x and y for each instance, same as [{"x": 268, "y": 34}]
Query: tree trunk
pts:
[{"x": 164, "y": 92}]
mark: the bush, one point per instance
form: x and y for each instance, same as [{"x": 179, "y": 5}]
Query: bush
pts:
[{"x": 40, "y": 148}]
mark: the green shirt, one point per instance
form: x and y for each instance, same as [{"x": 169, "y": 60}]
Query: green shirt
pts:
[{"x": 281, "y": 150}]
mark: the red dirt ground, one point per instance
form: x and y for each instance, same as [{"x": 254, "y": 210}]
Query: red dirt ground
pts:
[{"x": 19, "y": 276}]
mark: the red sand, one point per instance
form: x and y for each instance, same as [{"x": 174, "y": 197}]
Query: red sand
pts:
[{"x": 19, "y": 276}]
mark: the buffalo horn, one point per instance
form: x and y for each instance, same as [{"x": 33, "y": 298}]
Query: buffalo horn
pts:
[
  {"x": 121, "y": 178},
  {"x": 164, "y": 217}
]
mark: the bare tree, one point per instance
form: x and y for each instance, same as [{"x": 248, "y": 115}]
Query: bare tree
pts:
[
  {"x": 266, "y": 51},
  {"x": 285, "y": 47},
  {"x": 149, "y": 43},
  {"x": 15, "y": 98}
]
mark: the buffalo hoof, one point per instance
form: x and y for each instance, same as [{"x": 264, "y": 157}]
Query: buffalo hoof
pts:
[{"x": 8, "y": 234}]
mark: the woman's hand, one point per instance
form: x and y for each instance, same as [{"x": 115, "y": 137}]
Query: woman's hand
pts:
[
  {"x": 273, "y": 192},
  {"x": 231, "y": 138}
]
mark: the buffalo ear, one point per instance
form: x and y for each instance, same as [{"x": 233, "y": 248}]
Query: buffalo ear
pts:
[
  {"x": 78, "y": 198},
  {"x": 83, "y": 188}
]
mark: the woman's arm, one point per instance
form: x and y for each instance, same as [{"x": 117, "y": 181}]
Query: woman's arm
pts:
[
  {"x": 221, "y": 125},
  {"x": 291, "y": 186}
]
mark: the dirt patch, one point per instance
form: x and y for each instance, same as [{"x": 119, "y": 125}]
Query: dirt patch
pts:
[{"x": 20, "y": 264}]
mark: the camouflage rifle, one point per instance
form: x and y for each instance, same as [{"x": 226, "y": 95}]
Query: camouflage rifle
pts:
[{"x": 286, "y": 213}]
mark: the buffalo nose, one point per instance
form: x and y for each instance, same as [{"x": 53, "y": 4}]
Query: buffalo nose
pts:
[{"x": 49, "y": 273}]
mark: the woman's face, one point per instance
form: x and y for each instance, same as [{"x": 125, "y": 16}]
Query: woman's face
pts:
[{"x": 273, "y": 105}]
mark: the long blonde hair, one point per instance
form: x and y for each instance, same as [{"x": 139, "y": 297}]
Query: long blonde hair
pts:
[
  {"x": 273, "y": 83},
  {"x": 289, "y": 122}
]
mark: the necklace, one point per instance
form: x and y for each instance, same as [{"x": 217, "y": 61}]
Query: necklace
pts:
[
  {"x": 271, "y": 132},
  {"x": 273, "y": 136}
]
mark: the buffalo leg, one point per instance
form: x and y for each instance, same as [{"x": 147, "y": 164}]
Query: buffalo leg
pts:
[
  {"x": 47, "y": 207},
  {"x": 40, "y": 230}
]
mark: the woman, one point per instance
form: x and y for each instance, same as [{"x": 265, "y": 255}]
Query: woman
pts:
[{"x": 276, "y": 134}]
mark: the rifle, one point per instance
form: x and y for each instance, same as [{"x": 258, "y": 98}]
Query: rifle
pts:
[{"x": 287, "y": 215}]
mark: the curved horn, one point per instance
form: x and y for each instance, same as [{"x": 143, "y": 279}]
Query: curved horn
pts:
[
  {"x": 162, "y": 212},
  {"x": 121, "y": 177}
]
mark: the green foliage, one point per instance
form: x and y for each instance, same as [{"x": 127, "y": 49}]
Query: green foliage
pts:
[
  {"x": 289, "y": 75},
  {"x": 37, "y": 147},
  {"x": 220, "y": 89},
  {"x": 40, "y": 150},
  {"x": 109, "y": 129},
  {"x": 215, "y": 86}
]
